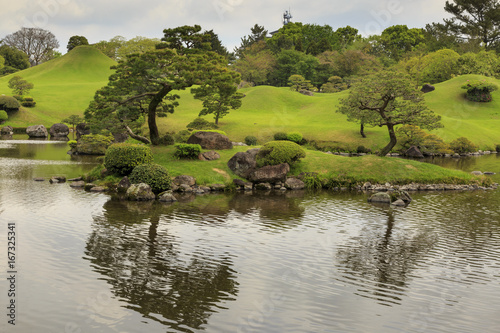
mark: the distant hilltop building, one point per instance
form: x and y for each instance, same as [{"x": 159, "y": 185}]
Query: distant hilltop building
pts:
[{"x": 287, "y": 18}]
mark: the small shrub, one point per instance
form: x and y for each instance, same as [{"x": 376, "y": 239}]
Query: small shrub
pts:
[
  {"x": 187, "y": 151},
  {"x": 211, "y": 131},
  {"x": 94, "y": 174},
  {"x": 201, "y": 124},
  {"x": 182, "y": 136},
  {"x": 497, "y": 148},
  {"x": 277, "y": 152},
  {"x": 462, "y": 145},
  {"x": 152, "y": 174},
  {"x": 166, "y": 140},
  {"x": 18, "y": 97},
  {"x": 28, "y": 102},
  {"x": 313, "y": 182},
  {"x": 479, "y": 91},
  {"x": 251, "y": 140},
  {"x": 3, "y": 116},
  {"x": 294, "y": 137},
  {"x": 122, "y": 158},
  {"x": 8, "y": 103},
  {"x": 72, "y": 144},
  {"x": 363, "y": 150},
  {"x": 94, "y": 144},
  {"x": 280, "y": 136}
]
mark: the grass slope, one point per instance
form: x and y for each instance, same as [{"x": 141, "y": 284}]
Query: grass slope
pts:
[{"x": 63, "y": 86}]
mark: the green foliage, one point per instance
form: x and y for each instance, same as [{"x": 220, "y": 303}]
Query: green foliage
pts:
[
  {"x": 497, "y": 148},
  {"x": 73, "y": 120},
  {"x": 294, "y": 137},
  {"x": 484, "y": 63},
  {"x": 182, "y": 136},
  {"x": 28, "y": 102},
  {"x": 411, "y": 135},
  {"x": 334, "y": 84},
  {"x": 279, "y": 136},
  {"x": 396, "y": 40},
  {"x": 187, "y": 151},
  {"x": 15, "y": 60},
  {"x": 462, "y": 145},
  {"x": 94, "y": 144},
  {"x": 20, "y": 86},
  {"x": 313, "y": 181},
  {"x": 152, "y": 174},
  {"x": 8, "y": 103},
  {"x": 479, "y": 91},
  {"x": 298, "y": 83},
  {"x": 122, "y": 158},
  {"x": 72, "y": 144},
  {"x": 290, "y": 62},
  {"x": 277, "y": 152},
  {"x": 3, "y": 116},
  {"x": 251, "y": 140},
  {"x": 211, "y": 131},
  {"x": 201, "y": 124},
  {"x": 94, "y": 174},
  {"x": 166, "y": 140},
  {"x": 75, "y": 41},
  {"x": 363, "y": 150}
]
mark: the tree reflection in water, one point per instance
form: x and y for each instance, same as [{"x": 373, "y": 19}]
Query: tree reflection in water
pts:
[
  {"x": 130, "y": 245},
  {"x": 379, "y": 260}
]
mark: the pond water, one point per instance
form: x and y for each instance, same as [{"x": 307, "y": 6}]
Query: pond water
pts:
[{"x": 284, "y": 262}]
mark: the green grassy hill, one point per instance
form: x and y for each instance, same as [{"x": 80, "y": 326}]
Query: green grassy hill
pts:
[
  {"x": 66, "y": 85},
  {"x": 63, "y": 86}
]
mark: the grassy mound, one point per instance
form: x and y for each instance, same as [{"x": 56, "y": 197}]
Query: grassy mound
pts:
[{"x": 63, "y": 86}]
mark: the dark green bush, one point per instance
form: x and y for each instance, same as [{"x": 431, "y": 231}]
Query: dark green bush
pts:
[
  {"x": 277, "y": 152},
  {"x": 182, "y": 136},
  {"x": 152, "y": 174},
  {"x": 28, "y": 102},
  {"x": 497, "y": 148},
  {"x": 201, "y": 124},
  {"x": 8, "y": 103},
  {"x": 313, "y": 182},
  {"x": 72, "y": 144},
  {"x": 280, "y": 136},
  {"x": 122, "y": 158},
  {"x": 251, "y": 140},
  {"x": 211, "y": 131},
  {"x": 166, "y": 140},
  {"x": 94, "y": 174},
  {"x": 462, "y": 145},
  {"x": 188, "y": 151},
  {"x": 363, "y": 150},
  {"x": 94, "y": 144},
  {"x": 479, "y": 91},
  {"x": 3, "y": 116},
  {"x": 294, "y": 137}
]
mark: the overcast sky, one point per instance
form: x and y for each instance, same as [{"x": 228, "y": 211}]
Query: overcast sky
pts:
[{"x": 230, "y": 19}]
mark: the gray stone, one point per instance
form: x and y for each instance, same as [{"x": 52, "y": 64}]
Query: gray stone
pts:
[
  {"x": 123, "y": 185},
  {"x": 399, "y": 203},
  {"x": 98, "y": 189},
  {"x": 167, "y": 196},
  {"x": 477, "y": 173},
  {"x": 77, "y": 179},
  {"x": 263, "y": 187},
  {"x": 489, "y": 173},
  {"x": 57, "y": 179},
  {"x": 37, "y": 131},
  {"x": 306, "y": 92},
  {"x": 184, "y": 180},
  {"x": 59, "y": 130},
  {"x": 243, "y": 163},
  {"x": 217, "y": 187},
  {"x": 269, "y": 174},
  {"x": 294, "y": 184},
  {"x": 89, "y": 186},
  {"x": 209, "y": 156},
  {"x": 140, "y": 192},
  {"x": 39, "y": 179},
  {"x": 380, "y": 197},
  {"x": 78, "y": 184},
  {"x": 7, "y": 130},
  {"x": 414, "y": 152},
  {"x": 81, "y": 129},
  {"x": 210, "y": 140}
]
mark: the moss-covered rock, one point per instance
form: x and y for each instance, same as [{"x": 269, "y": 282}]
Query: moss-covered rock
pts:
[{"x": 93, "y": 144}]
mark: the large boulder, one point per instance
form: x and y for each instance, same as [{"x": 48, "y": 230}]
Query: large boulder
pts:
[
  {"x": 210, "y": 140},
  {"x": 140, "y": 192},
  {"x": 184, "y": 180},
  {"x": 7, "y": 130},
  {"x": 294, "y": 184},
  {"x": 209, "y": 156},
  {"x": 427, "y": 88},
  {"x": 380, "y": 197},
  {"x": 82, "y": 129},
  {"x": 37, "y": 131},
  {"x": 414, "y": 152},
  {"x": 243, "y": 163},
  {"x": 59, "y": 130},
  {"x": 269, "y": 174}
]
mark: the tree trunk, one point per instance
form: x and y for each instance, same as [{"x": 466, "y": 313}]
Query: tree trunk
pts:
[
  {"x": 392, "y": 143},
  {"x": 137, "y": 137},
  {"x": 217, "y": 119},
  {"x": 362, "y": 130},
  {"x": 153, "y": 128}
]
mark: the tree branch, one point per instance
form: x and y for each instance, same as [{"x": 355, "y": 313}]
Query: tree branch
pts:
[{"x": 137, "y": 137}]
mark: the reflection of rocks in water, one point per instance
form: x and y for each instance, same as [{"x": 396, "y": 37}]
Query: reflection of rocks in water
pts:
[
  {"x": 274, "y": 206},
  {"x": 144, "y": 266},
  {"x": 379, "y": 261}
]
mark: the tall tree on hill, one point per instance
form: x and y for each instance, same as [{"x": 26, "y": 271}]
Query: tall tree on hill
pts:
[
  {"x": 75, "y": 41},
  {"x": 258, "y": 34},
  {"x": 143, "y": 84},
  {"x": 475, "y": 19},
  {"x": 388, "y": 99},
  {"x": 37, "y": 43}
]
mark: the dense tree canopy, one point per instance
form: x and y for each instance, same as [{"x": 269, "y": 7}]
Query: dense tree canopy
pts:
[
  {"x": 37, "y": 43},
  {"x": 15, "y": 60},
  {"x": 388, "y": 99},
  {"x": 75, "y": 41}
]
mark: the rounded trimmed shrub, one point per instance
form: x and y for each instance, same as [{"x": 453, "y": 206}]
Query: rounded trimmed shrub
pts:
[
  {"x": 154, "y": 175},
  {"x": 251, "y": 140},
  {"x": 280, "y": 136},
  {"x": 277, "y": 152},
  {"x": 201, "y": 124},
  {"x": 187, "y": 150},
  {"x": 166, "y": 140},
  {"x": 294, "y": 137},
  {"x": 462, "y": 145},
  {"x": 3, "y": 116},
  {"x": 210, "y": 131},
  {"x": 122, "y": 158},
  {"x": 9, "y": 103}
]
